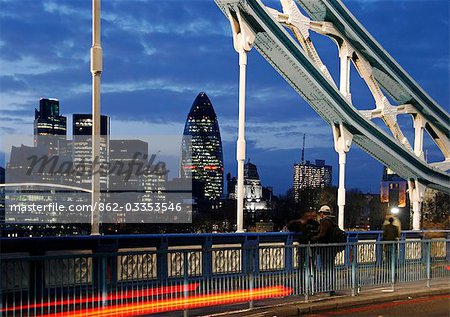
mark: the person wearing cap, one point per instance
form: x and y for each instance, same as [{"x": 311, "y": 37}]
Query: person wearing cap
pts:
[
  {"x": 325, "y": 227},
  {"x": 327, "y": 254}
]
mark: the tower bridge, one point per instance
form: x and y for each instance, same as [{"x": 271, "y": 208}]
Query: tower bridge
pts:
[{"x": 295, "y": 58}]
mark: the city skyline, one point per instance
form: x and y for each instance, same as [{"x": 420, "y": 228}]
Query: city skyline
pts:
[
  {"x": 82, "y": 127},
  {"x": 143, "y": 69}
]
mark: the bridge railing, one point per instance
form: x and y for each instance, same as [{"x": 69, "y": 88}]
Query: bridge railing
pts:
[{"x": 149, "y": 278}]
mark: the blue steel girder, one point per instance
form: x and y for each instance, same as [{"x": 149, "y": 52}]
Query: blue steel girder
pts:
[
  {"x": 278, "y": 47},
  {"x": 391, "y": 76}
]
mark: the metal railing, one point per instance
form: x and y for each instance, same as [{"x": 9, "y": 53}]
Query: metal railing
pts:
[{"x": 147, "y": 280}]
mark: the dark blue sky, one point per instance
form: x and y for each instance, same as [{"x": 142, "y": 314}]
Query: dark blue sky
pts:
[{"x": 158, "y": 55}]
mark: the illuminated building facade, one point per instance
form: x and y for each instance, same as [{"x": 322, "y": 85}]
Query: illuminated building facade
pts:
[
  {"x": 82, "y": 146},
  {"x": 49, "y": 122},
  {"x": 311, "y": 176},
  {"x": 82, "y": 124},
  {"x": 202, "y": 157},
  {"x": 394, "y": 199},
  {"x": 50, "y": 133},
  {"x": 257, "y": 199},
  {"x": 393, "y": 189}
]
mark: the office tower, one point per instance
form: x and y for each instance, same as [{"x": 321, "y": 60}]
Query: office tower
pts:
[
  {"x": 311, "y": 176},
  {"x": 82, "y": 147},
  {"x": 154, "y": 183},
  {"x": 202, "y": 151},
  {"x": 128, "y": 159},
  {"x": 82, "y": 124},
  {"x": 48, "y": 122},
  {"x": 136, "y": 176}
]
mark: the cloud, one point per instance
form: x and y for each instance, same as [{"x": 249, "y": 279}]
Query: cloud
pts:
[
  {"x": 148, "y": 50},
  {"x": 27, "y": 65},
  {"x": 14, "y": 100},
  {"x": 16, "y": 125},
  {"x": 157, "y": 84},
  {"x": 440, "y": 63},
  {"x": 67, "y": 10},
  {"x": 144, "y": 20},
  {"x": 269, "y": 136},
  {"x": 127, "y": 128},
  {"x": 263, "y": 94},
  {"x": 146, "y": 26},
  {"x": 280, "y": 135}
]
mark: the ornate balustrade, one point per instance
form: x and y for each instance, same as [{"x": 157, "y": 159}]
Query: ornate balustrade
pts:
[{"x": 108, "y": 267}]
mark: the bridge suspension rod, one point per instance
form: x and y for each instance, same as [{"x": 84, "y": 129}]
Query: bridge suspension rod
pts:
[
  {"x": 243, "y": 39},
  {"x": 342, "y": 143}
]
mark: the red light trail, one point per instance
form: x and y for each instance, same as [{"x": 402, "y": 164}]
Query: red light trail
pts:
[
  {"x": 119, "y": 295},
  {"x": 189, "y": 302}
]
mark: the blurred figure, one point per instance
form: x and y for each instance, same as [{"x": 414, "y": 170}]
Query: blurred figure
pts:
[
  {"x": 390, "y": 231},
  {"x": 307, "y": 226},
  {"x": 396, "y": 222},
  {"x": 391, "y": 234},
  {"x": 327, "y": 229}
]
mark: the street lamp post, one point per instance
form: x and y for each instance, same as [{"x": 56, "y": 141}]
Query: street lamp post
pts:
[{"x": 96, "y": 70}]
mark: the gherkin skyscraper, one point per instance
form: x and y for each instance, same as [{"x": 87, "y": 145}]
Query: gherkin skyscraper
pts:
[{"x": 202, "y": 157}]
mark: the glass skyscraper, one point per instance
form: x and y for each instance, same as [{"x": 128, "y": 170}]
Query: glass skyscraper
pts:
[
  {"x": 82, "y": 124},
  {"x": 47, "y": 123},
  {"x": 47, "y": 120},
  {"x": 202, "y": 157},
  {"x": 82, "y": 145}
]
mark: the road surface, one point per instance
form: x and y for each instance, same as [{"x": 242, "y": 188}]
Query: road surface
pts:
[{"x": 436, "y": 306}]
